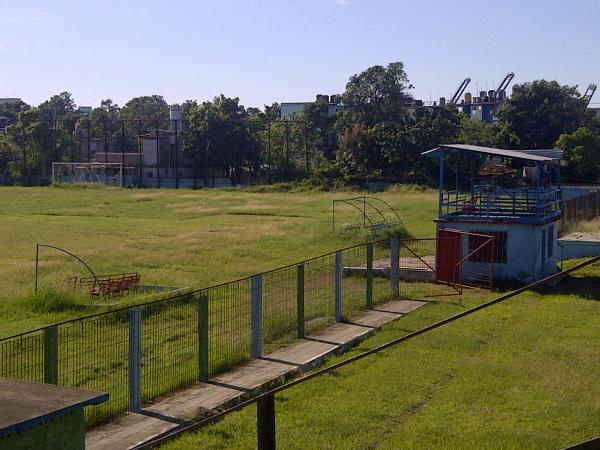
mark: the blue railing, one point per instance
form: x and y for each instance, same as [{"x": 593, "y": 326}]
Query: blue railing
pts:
[{"x": 498, "y": 202}]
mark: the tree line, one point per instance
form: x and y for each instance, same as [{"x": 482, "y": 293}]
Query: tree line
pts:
[{"x": 377, "y": 135}]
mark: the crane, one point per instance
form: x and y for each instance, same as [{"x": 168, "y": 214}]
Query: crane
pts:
[
  {"x": 589, "y": 93},
  {"x": 504, "y": 83},
  {"x": 460, "y": 90}
]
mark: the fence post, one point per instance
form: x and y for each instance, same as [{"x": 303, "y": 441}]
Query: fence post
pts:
[
  {"x": 256, "y": 344},
  {"x": 51, "y": 355},
  {"x": 265, "y": 423},
  {"x": 203, "y": 337},
  {"x": 338, "y": 286},
  {"x": 394, "y": 266},
  {"x": 135, "y": 359},
  {"x": 300, "y": 300},
  {"x": 369, "y": 276}
]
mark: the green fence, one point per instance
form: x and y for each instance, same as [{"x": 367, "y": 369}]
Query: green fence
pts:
[{"x": 139, "y": 353}]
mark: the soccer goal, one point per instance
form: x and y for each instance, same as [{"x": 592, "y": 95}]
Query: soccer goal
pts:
[{"x": 109, "y": 174}]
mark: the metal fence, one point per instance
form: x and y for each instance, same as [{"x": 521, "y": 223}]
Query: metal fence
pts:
[
  {"x": 583, "y": 207},
  {"x": 139, "y": 353}
]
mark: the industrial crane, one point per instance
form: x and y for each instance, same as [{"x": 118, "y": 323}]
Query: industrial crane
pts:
[
  {"x": 460, "y": 90},
  {"x": 504, "y": 84},
  {"x": 589, "y": 93}
]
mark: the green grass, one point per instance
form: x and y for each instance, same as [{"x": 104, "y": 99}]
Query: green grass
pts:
[
  {"x": 181, "y": 238},
  {"x": 520, "y": 375}
]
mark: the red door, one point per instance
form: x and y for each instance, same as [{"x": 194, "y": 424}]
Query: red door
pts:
[{"x": 448, "y": 255}]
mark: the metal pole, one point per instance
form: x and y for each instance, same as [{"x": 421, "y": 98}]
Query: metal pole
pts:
[
  {"x": 157, "y": 154},
  {"x": 394, "y": 267},
  {"x": 256, "y": 345},
  {"x": 338, "y": 286},
  {"x": 37, "y": 254},
  {"x": 269, "y": 148},
  {"x": 105, "y": 156},
  {"x": 265, "y": 423},
  {"x": 123, "y": 143},
  {"x": 441, "y": 195},
  {"x": 89, "y": 140},
  {"x": 300, "y": 300},
  {"x": 140, "y": 162},
  {"x": 72, "y": 144},
  {"x": 203, "y": 337},
  {"x": 55, "y": 123},
  {"x": 135, "y": 361},
  {"x": 287, "y": 152},
  {"x": 51, "y": 355},
  {"x": 176, "y": 154},
  {"x": 306, "y": 148},
  {"x": 369, "y": 276}
]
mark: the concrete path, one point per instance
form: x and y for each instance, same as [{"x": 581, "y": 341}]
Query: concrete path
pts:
[{"x": 227, "y": 388}]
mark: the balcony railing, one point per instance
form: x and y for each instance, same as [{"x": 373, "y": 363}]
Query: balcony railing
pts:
[{"x": 497, "y": 202}]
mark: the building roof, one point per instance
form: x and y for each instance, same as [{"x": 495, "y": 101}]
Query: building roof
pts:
[
  {"x": 537, "y": 155},
  {"x": 26, "y": 404}
]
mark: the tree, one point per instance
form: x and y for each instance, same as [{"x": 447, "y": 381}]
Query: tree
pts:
[
  {"x": 11, "y": 110},
  {"x": 149, "y": 109},
  {"x": 539, "y": 112},
  {"x": 319, "y": 126},
  {"x": 218, "y": 137},
  {"x": 379, "y": 93},
  {"x": 475, "y": 132},
  {"x": 582, "y": 152}
]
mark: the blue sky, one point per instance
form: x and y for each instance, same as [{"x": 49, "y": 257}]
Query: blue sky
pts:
[{"x": 284, "y": 50}]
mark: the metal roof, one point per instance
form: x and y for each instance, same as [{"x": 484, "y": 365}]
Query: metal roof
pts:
[{"x": 539, "y": 155}]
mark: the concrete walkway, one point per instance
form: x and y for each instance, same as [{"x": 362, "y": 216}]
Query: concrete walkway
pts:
[{"x": 227, "y": 388}]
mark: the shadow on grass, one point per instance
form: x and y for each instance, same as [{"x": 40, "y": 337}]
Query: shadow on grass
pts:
[{"x": 587, "y": 287}]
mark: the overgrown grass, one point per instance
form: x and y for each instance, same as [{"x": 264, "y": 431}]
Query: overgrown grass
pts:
[
  {"x": 177, "y": 238},
  {"x": 584, "y": 226}
]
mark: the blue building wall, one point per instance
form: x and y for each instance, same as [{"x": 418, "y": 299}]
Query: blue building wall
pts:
[{"x": 531, "y": 249}]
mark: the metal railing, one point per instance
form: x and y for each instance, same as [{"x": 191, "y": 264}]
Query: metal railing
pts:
[
  {"x": 139, "y": 353},
  {"x": 487, "y": 201}
]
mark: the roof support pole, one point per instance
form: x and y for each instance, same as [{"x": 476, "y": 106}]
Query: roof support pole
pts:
[
  {"x": 441, "y": 199},
  {"x": 538, "y": 186}
]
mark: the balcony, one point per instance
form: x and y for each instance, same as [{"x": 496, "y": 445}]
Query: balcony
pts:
[{"x": 498, "y": 203}]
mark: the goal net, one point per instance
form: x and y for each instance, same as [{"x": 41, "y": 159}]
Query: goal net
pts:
[{"x": 109, "y": 174}]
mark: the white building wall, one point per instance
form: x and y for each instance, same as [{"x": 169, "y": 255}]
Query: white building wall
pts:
[{"x": 528, "y": 257}]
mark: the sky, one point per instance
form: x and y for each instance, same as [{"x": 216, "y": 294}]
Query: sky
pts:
[{"x": 286, "y": 50}]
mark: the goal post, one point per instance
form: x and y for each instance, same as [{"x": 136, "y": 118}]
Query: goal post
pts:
[{"x": 109, "y": 174}]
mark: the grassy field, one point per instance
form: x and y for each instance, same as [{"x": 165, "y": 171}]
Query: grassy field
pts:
[
  {"x": 520, "y": 375},
  {"x": 176, "y": 238}
]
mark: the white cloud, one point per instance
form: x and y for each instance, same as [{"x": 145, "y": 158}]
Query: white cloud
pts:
[{"x": 35, "y": 15}]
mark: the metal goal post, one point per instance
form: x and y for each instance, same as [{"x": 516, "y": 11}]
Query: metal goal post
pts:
[{"x": 109, "y": 174}]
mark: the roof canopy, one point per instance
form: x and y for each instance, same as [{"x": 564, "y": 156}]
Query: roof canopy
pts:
[{"x": 548, "y": 156}]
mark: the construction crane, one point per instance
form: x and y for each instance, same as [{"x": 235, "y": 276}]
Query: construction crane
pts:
[
  {"x": 589, "y": 93},
  {"x": 460, "y": 90},
  {"x": 504, "y": 83}
]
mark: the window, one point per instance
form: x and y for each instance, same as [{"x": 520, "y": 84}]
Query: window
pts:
[
  {"x": 500, "y": 244},
  {"x": 550, "y": 241}
]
